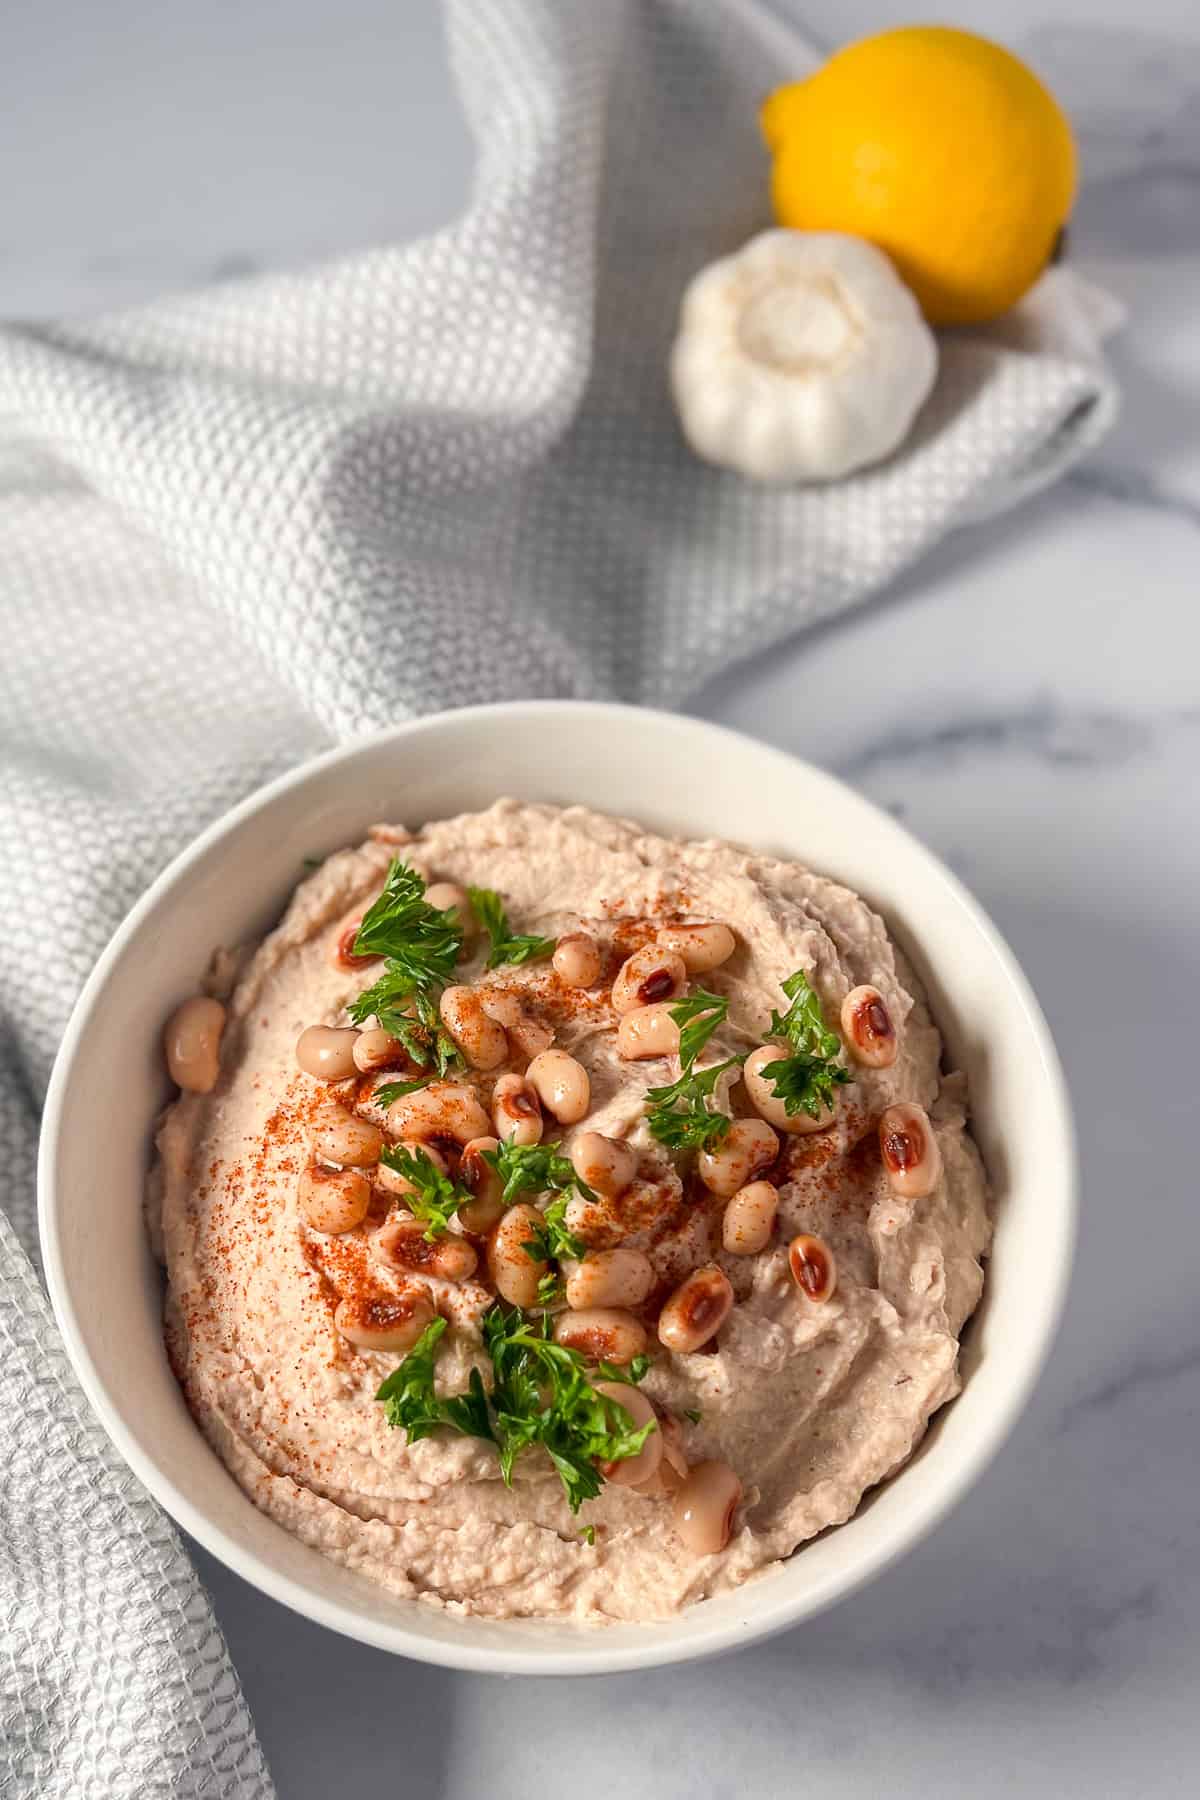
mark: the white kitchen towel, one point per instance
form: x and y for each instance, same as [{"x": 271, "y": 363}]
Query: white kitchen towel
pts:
[{"x": 238, "y": 525}]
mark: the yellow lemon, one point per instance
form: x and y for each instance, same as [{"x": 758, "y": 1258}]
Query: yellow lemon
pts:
[{"x": 940, "y": 147}]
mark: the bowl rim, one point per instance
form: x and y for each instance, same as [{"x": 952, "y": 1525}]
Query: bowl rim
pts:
[{"x": 769, "y": 1617}]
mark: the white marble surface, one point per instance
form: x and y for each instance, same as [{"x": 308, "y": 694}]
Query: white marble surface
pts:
[{"x": 1028, "y": 700}]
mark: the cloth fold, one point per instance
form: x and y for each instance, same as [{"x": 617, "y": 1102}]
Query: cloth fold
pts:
[{"x": 241, "y": 523}]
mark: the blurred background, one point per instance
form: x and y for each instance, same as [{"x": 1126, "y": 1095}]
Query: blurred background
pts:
[{"x": 1027, "y": 699}]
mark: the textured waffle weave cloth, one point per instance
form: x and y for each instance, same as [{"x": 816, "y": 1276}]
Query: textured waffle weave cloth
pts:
[{"x": 239, "y": 525}]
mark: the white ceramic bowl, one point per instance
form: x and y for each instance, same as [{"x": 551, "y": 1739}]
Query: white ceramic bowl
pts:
[{"x": 676, "y": 775}]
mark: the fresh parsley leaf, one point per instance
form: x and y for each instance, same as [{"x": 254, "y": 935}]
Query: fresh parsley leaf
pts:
[
  {"x": 434, "y": 1198},
  {"x": 427, "y": 1040},
  {"x": 408, "y": 1391},
  {"x": 551, "y": 1240},
  {"x": 550, "y": 1289},
  {"x": 804, "y": 1083},
  {"x": 679, "y": 1116},
  {"x": 412, "y": 1402},
  {"x": 388, "y": 999},
  {"x": 489, "y": 910},
  {"x": 540, "y": 1169},
  {"x": 420, "y": 945},
  {"x": 402, "y": 926},
  {"x": 805, "y": 1080},
  {"x": 803, "y": 1025},
  {"x": 697, "y": 1017},
  {"x": 411, "y": 1016},
  {"x": 469, "y": 1412},
  {"x": 387, "y": 1091},
  {"x": 534, "y": 1169},
  {"x": 542, "y": 1394}
]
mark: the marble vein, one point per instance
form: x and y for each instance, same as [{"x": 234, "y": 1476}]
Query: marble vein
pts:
[
  {"x": 1058, "y": 735},
  {"x": 1141, "y": 1373}
]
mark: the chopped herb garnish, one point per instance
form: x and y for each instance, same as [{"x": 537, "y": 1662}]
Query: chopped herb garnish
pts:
[
  {"x": 411, "y": 1017},
  {"x": 542, "y": 1393},
  {"x": 693, "y": 1413},
  {"x": 697, "y": 1017},
  {"x": 387, "y": 1091},
  {"x": 402, "y": 926},
  {"x": 434, "y": 1198},
  {"x": 420, "y": 945},
  {"x": 679, "y": 1116},
  {"x": 550, "y": 1289},
  {"x": 542, "y": 1169},
  {"x": 534, "y": 1169},
  {"x": 805, "y": 1080},
  {"x": 505, "y": 948},
  {"x": 412, "y": 1402},
  {"x": 311, "y": 862},
  {"x": 551, "y": 1241},
  {"x": 423, "y": 1035},
  {"x": 588, "y": 1533}
]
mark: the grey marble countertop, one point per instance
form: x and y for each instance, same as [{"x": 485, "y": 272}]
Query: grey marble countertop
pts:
[{"x": 1028, "y": 700}]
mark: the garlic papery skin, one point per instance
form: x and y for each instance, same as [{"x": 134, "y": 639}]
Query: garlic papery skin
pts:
[{"x": 800, "y": 358}]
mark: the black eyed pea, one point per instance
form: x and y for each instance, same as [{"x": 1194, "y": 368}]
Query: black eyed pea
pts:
[
  {"x": 649, "y": 975},
  {"x": 401, "y": 1243},
  {"x": 529, "y": 1035},
  {"x": 620, "y": 1277},
  {"x": 516, "y": 1111},
  {"x": 748, "y": 1147},
  {"x": 672, "y": 1437},
  {"x": 327, "y": 1051},
  {"x": 443, "y": 1109},
  {"x": 192, "y": 1042},
  {"x": 766, "y": 1101},
  {"x": 665, "y": 1482},
  {"x": 577, "y": 960},
  {"x": 702, "y": 1512},
  {"x": 378, "y": 1049},
  {"x": 480, "y": 1038},
  {"x": 602, "y": 1334},
  {"x": 647, "y": 1031},
  {"x": 514, "y": 1271},
  {"x": 384, "y": 1321},
  {"x": 910, "y": 1151},
  {"x": 333, "y": 1200},
  {"x": 633, "y": 1471},
  {"x": 702, "y": 947},
  {"x": 749, "y": 1218},
  {"x": 696, "y": 1310},
  {"x": 813, "y": 1266},
  {"x": 867, "y": 1028},
  {"x": 342, "y": 1137},
  {"x": 486, "y": 1205},
  {"x": 673, "y": 1469},
  {"x": 603, "y": 1163},
  {"x": 561, "y": 1084}
]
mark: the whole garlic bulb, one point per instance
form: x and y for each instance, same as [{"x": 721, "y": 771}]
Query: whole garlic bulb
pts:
[{"x": 801, "y": 357}]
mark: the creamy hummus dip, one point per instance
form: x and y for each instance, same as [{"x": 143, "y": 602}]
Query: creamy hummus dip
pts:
[{"x": 828, "y": 1363}]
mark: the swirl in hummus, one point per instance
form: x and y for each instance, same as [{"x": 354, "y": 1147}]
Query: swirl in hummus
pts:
[{"x": 833, "y": 1257}]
